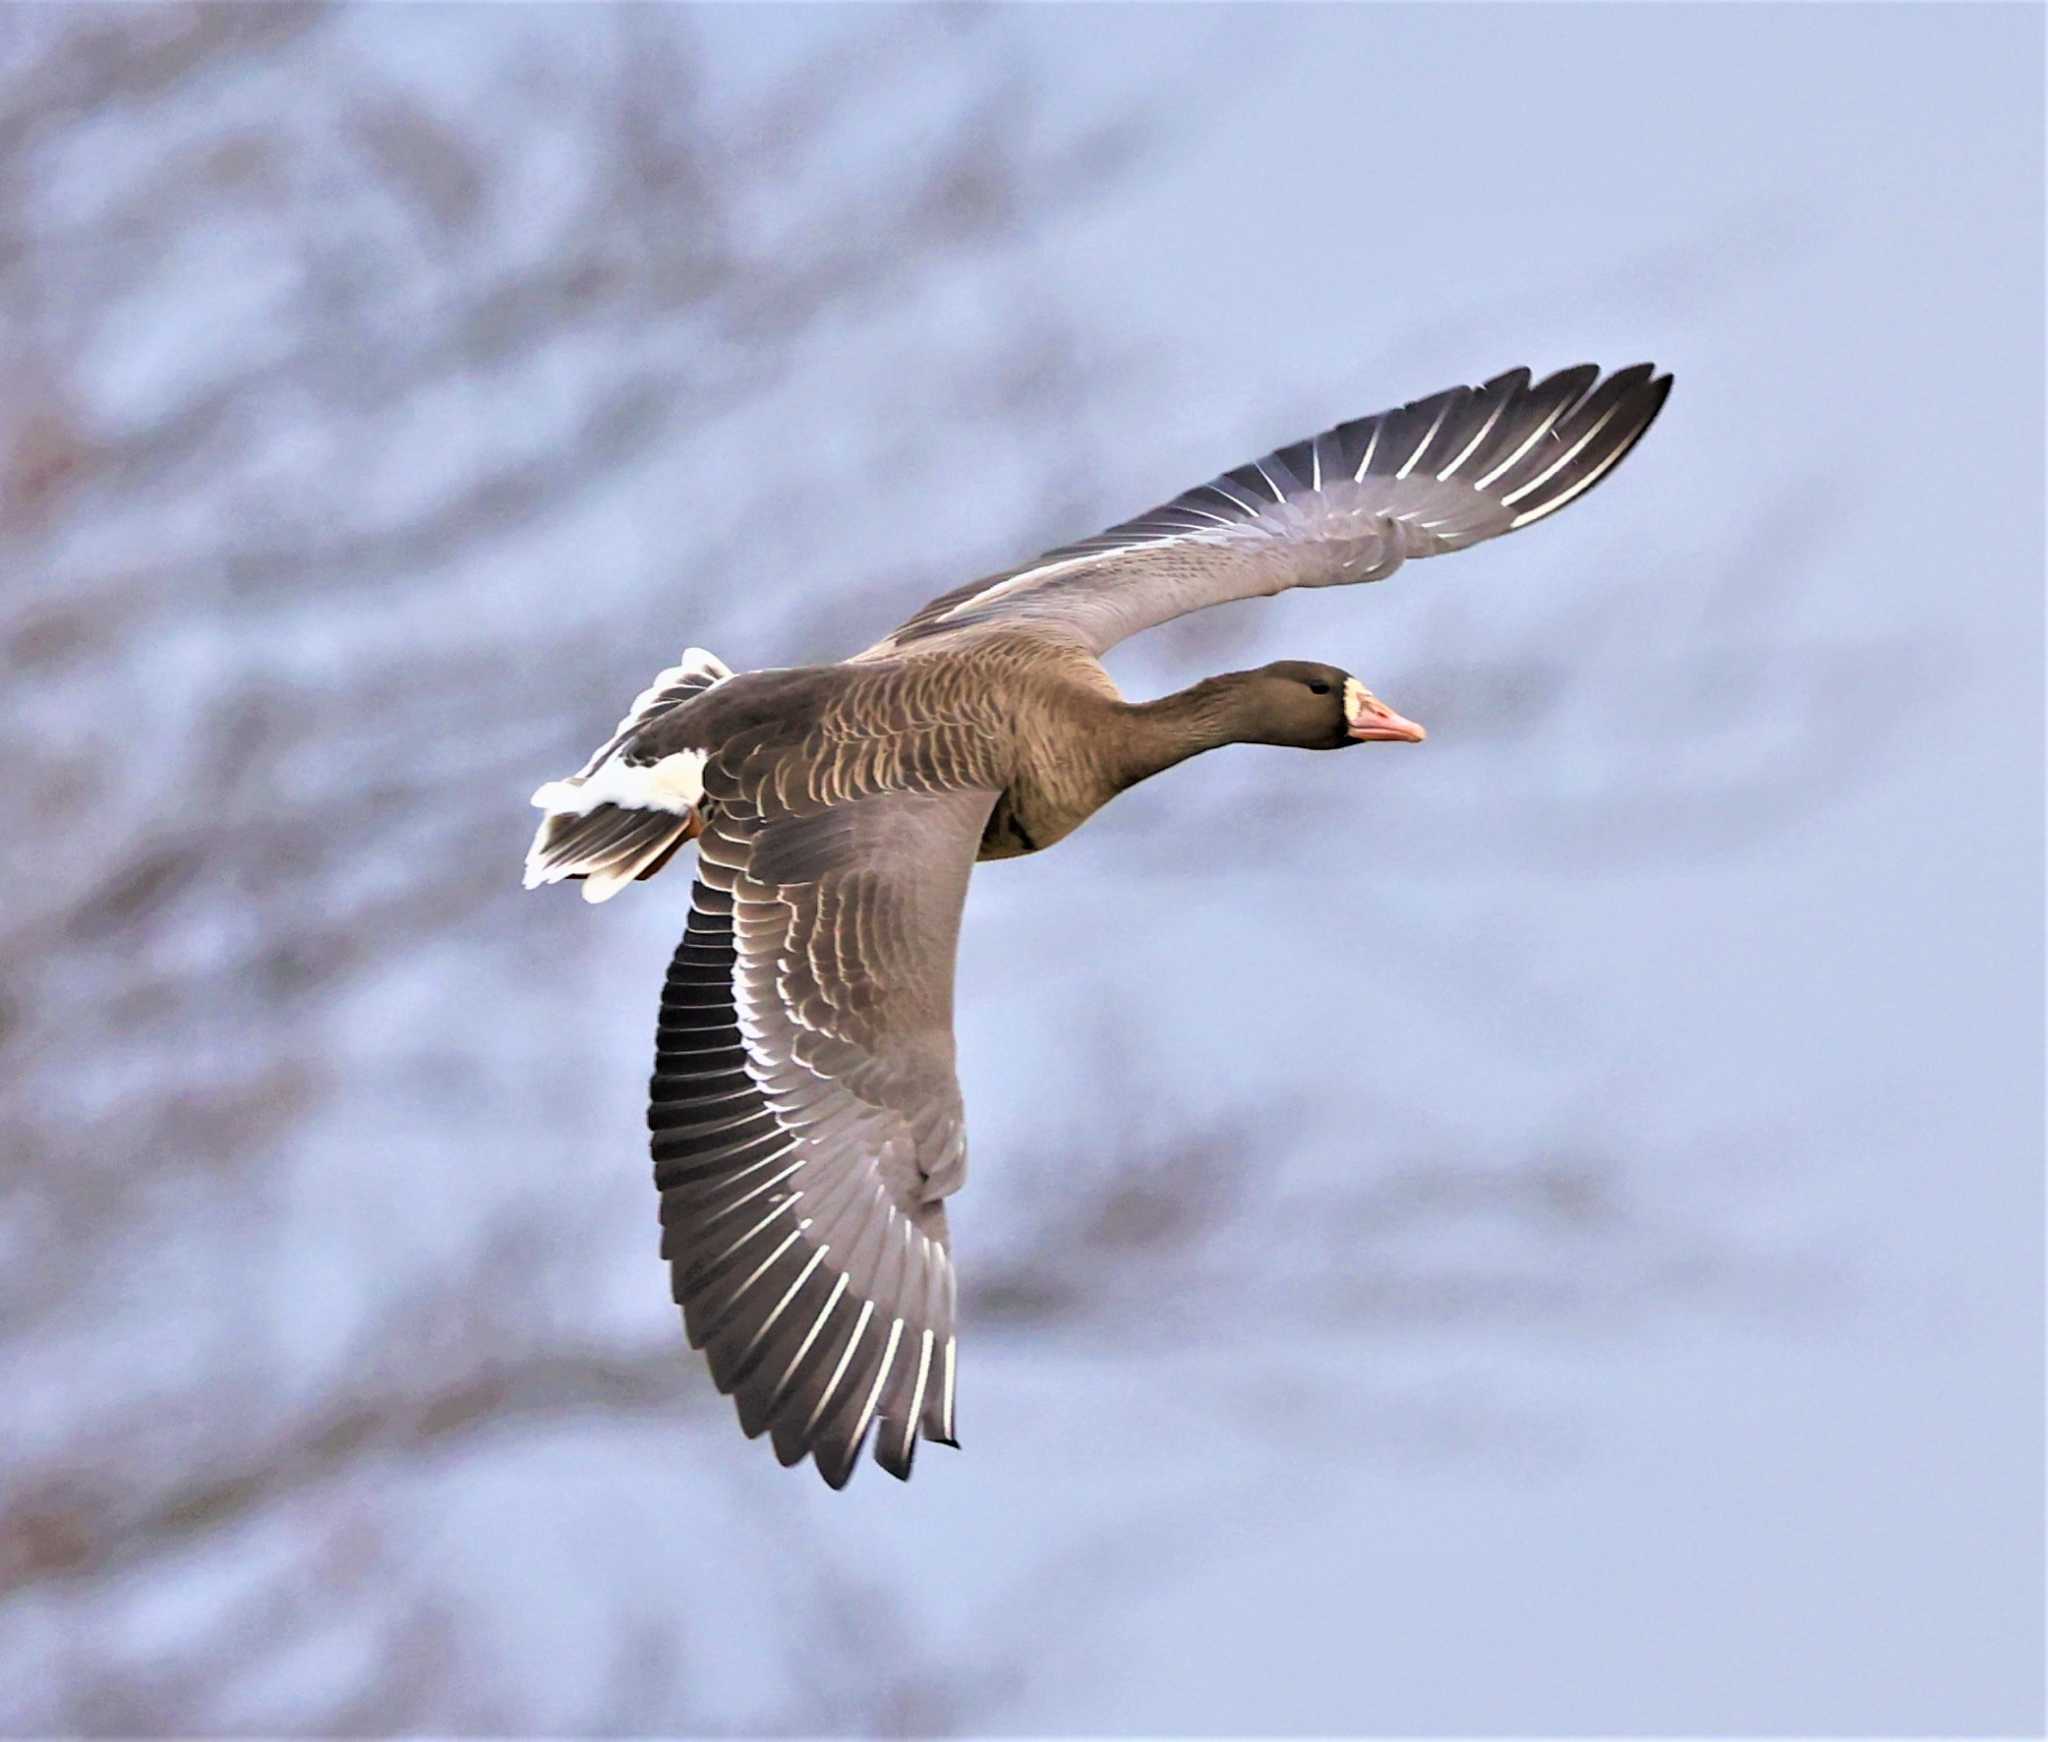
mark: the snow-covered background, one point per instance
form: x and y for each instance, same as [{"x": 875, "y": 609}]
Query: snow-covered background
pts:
[{"x": 1541, "y": 1232}]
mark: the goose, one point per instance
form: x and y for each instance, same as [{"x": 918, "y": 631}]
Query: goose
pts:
[{"x": 806, "y": 1120}]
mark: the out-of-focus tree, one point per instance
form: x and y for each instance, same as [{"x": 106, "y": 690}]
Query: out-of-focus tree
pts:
[
  {"x": 371, "y": 414},
  {"x": 301, "y": 336}
]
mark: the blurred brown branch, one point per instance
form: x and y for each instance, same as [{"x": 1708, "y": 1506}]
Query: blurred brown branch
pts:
[
  {"x": 71, "y": 1520},
  {"x": 272, "y": 711},
  {"x": 371, "y": 415}
]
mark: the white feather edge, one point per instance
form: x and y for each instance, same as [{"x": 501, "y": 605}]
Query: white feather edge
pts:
[
  {"x": 602, "y": 884},
  {"x": 1342, "y": 512},
  {"x": 693, "y": 662},
  {"x": 672, "y": 785}
]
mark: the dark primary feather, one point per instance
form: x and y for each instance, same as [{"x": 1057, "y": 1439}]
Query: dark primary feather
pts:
[
  {"x": 802, "y": 1154},
  {"x": 1350, "y": 504}
]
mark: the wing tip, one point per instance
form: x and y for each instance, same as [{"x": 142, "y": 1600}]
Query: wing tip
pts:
[
  {"x": 1578, "y": 377},
  {"x": 896, "y": 1461}
]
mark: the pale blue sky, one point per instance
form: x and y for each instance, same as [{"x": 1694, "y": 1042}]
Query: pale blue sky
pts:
[{"x": 1635, "y": 1328}]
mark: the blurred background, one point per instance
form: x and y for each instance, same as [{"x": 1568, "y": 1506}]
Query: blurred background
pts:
[{"x": 1539, "y": 1233}]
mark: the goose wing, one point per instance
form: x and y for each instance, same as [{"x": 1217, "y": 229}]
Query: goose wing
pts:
[
  {"x": 1348, "y": 505},
  {"x": 806, "y": 1119}
]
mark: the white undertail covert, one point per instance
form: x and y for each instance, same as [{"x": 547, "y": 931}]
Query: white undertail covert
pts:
[{"x": 621, "y": 812}]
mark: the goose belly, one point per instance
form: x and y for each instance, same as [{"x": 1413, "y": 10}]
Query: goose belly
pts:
[{"x": 1024, "y": 822}]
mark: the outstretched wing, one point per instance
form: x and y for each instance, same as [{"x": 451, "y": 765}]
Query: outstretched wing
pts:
[
  {"x": 807, "y": 1122},
  {"x": 1348, "y": 505}
]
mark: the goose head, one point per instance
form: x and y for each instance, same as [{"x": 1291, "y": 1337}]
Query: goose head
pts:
[{"x": 1317, "y": 707}]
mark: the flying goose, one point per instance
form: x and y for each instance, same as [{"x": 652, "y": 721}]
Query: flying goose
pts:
[{"x": 807, "y": 1123}]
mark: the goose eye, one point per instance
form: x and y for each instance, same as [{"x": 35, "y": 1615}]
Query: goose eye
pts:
[{"x": 1318, "y": 688}]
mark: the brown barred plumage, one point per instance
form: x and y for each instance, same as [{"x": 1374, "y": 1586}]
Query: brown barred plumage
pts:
[{"x": 806, "y": 1121}]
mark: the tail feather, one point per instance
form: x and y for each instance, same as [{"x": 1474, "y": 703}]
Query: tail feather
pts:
[
  {"x": 694, "y": 673},
  {"x": 607, "y": 847},
  {"x": 627, "y": 812}
]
